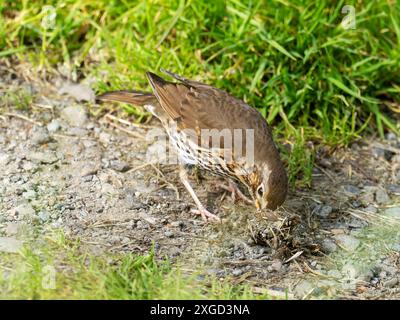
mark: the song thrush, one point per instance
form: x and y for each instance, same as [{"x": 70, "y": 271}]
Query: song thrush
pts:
[{"x": 188, "y": 109}]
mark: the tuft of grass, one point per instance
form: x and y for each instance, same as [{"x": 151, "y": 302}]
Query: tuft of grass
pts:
[
  {"x": 300, "y": 159},
  {"x": 63, "y": 269},
  {"x": 20, "y": 98}
]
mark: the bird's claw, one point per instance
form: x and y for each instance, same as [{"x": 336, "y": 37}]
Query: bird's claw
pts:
[{"x": 206, "y": 215}]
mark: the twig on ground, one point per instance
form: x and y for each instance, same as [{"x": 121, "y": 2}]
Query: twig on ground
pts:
[
  {"x": 161, "y": 176},
  {"x": 132, "y": 133},
  {"x": 295, "y": 256},
  {"x": 22, "y": 117}
]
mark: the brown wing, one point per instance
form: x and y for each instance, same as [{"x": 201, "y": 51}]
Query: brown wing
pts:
[{"x": 195, "y": 105}]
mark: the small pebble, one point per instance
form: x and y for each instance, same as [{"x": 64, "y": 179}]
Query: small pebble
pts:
[
  {"x": 371, "y": 209},
  {"x": 53, "y": 126},
  {"x": 348, "y": 242},
  {"x": 352, "y": 189},
  {"x": 381, "y": 196},
  {"x": 168, "y": 234},
  {"x": 119, "y": 166},
  {"x": 237, "y": 272},
  {"x": 390, "y": 283},
  {"x": 322, "y": 211},
  {"x": 329, "y": 246}
]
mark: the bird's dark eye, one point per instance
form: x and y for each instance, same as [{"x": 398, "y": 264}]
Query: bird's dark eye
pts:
[{"x": 260, "y": 190}]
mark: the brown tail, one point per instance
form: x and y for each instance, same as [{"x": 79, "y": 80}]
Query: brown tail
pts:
[{"x": 129, "y": 96}]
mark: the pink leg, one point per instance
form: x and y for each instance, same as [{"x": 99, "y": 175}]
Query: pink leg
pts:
[{"x": 205, "y": 214}]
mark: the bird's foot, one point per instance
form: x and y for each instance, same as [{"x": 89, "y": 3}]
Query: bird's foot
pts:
[
  {"x": 235, "y": 192},
  {"x": 206, "y": 215}
]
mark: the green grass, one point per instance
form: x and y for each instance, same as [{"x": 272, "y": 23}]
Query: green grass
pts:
[
  {"x": 291, "y": 59},
  {"x": 313, "y": 81},
  {"x": 19, "y": 98},
  {"x": 79, "y": 274},
  {"x": 281, "y": 56}
]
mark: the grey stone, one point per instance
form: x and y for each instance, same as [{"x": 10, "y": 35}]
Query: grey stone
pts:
[
  {"x": 329, "y": 246},
  {"x": 370, "y": 189},
  {"x": 366, "y": 198},
  {"x": 29, "y": 194},
  {"x": 46, "y": 157},
  {"x": 89, "y": 143},
  {"x": 237, "y": 272},
  {"x": 4, "y": 159},
  {"x": 87, "y": 178},
  {"x": 177, "y": 223},
  {"x": 119, "y": 166},
  {"x": 371, "y": 209},
  {"x": 352, "y": 189},
  {"x": 390, "y": 283},
  {"x": 325, "y": 162},
  {"x": 29, "y": 166},
  {"x": 168, "y": 234},
  {"x": 75, "y": 116},
  {"x": 104, "y": 138},
  {"x": 12, "y": 228},
  {"x": 107, "y": 188},
  {"x": 391, "y": 136},
  {"x": 276, "y": 265},
  {"x": 125, "y": 240},
  {"x": 394, "y": 188},
  {"x": 10, "y": 245},
  {"x": 89, "y": 170},
  {"x": 334, "y": 273},
  {"x": 24, "y": 211},
  {"x": 303, "y": 287},
  {"x": 322, "y": 211},
  {"x": 43, "y": 216},
  {"x": 381, "y": 196},
  {"x": 378, "y": 152},
  {"x": 393, "y": 212},
  {"x": 356, "y": 224},
  {"x": 353, "y": 271},
  {"x": 53, "y": 126},
  {"x": 40, "y": 136},
  {"x": 350, "y": 271},
  {"x": 76, "y": 131},
  {"x": 348, "y": 242},
  {"x": 79, "y": 92},
  {"x": 366, "y": 276},
  {"x": 90, "y": 126},
  {"x": 388, "y": 268},
  {"x": 356, "y": 204}
]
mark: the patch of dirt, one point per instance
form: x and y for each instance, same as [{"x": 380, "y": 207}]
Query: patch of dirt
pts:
[{"x": 88, "y": 173}]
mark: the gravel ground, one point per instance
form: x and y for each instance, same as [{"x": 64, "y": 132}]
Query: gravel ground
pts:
[{"x": 65, "y": 165}]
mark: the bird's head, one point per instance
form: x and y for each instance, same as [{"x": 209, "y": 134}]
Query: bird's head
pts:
[{"x": 268, "y": 186}]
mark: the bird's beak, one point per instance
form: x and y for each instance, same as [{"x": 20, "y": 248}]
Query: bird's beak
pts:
[{"x": 260, "y": 204}]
